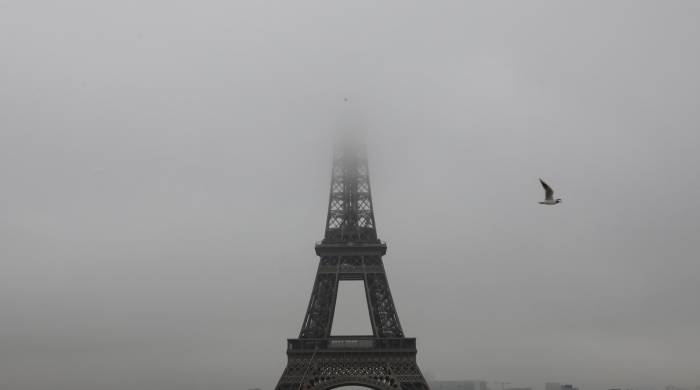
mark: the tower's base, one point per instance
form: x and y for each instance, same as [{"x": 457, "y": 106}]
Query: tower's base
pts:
[{"x": 378, "y": 363}]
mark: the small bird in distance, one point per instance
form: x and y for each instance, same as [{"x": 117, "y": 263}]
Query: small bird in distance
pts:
[{"x": 549, "y": 195}]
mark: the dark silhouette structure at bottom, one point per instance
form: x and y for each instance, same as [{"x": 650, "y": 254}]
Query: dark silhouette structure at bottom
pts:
[{"x": 350, "y": 250}]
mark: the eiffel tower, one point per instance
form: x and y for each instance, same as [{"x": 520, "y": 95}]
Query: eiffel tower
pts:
[{"x": 350, "y": 250}]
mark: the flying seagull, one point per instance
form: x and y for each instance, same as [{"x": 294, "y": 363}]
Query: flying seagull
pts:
[{"x": 549, "y": 195}]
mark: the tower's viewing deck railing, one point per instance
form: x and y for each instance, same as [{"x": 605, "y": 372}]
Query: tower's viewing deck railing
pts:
[
  {"x": 330, "y": 248},
  {"x": 346, "y": 343}
]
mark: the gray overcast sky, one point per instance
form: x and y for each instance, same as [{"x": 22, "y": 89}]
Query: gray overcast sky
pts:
[{"x": 165, "y": 169}]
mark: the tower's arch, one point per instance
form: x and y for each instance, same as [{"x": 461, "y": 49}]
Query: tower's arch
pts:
[{"x": 355, "y": 385}]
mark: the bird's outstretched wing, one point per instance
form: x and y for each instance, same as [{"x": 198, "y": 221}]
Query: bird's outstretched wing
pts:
[{"x": 548, "y": 192}]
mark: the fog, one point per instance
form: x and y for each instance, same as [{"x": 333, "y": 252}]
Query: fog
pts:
[{"x": 165, "y": 169}]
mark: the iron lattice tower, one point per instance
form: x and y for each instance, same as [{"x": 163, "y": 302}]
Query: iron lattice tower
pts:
[{"x": 350, "y": 250}]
